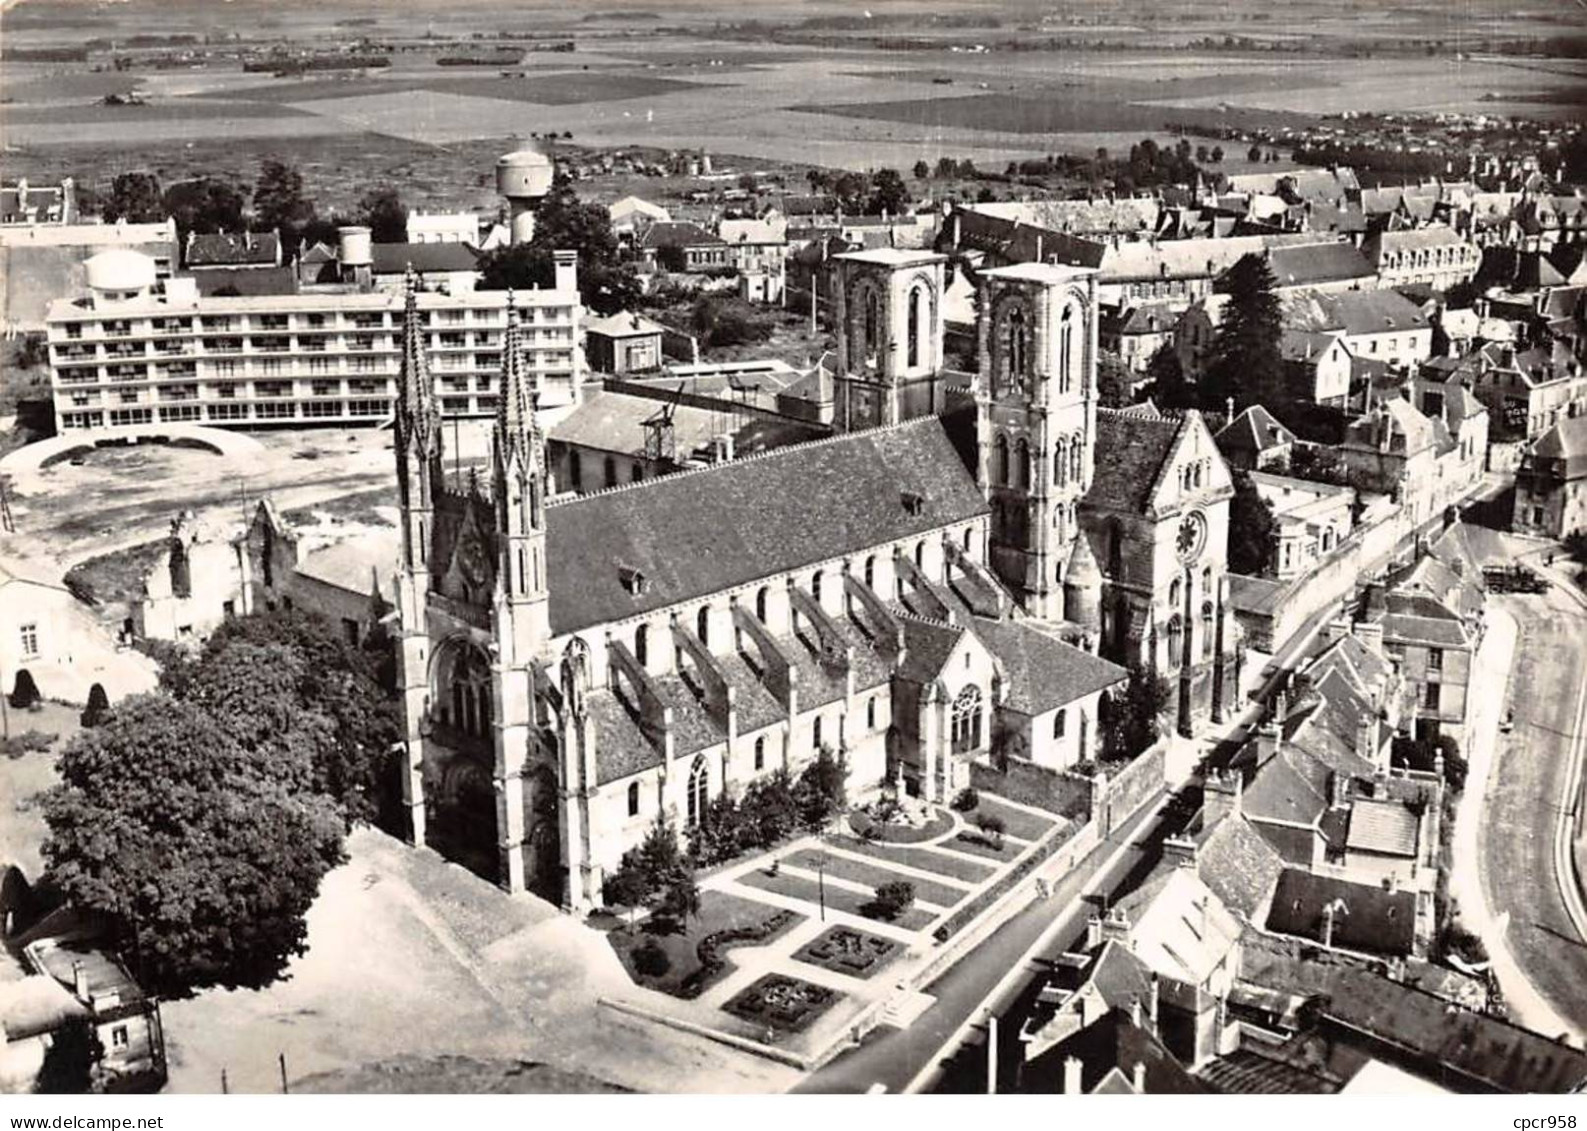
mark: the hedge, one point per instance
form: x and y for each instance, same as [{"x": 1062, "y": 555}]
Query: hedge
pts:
[{"x": 987, "y": 896}]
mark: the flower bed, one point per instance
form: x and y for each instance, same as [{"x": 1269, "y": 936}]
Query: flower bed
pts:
[
  {"x": 695, "y": 958},
  {"x": 846, "y": 951},
  {"x": 782, "y": 1004},
  {"x": 864, "y": 825}
]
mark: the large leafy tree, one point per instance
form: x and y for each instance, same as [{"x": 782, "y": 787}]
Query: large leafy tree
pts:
[
  {"x": 383, "y": 212},
  {"x": 1245, "y": 362},
  {"x": 207, "y": 204},
  {"x": 278, "y": 199},
  {"x": 135, "y": 198},
  {"x": 889, "y": 193},
  {"x": 1115, "y": 382},
  {"x": 205, "y": 866},
  {"x": 565, "y": 223},
  {"x": 1253, "y": 532},
  {"x": 1132, "y": 719}
]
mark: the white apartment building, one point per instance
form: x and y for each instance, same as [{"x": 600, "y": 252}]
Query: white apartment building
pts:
[{"x": 128, "y": 353}]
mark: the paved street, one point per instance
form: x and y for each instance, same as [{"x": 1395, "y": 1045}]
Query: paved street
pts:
[
  {"x": 893, "y": 1057},
  {"x": 1516, "y": 838}
]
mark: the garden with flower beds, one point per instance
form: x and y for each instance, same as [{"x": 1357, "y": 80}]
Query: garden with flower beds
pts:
[
  {"x": 844, "y": 950},
  {"x": 781, "y": 1003},
  {"x": 686, "y": 958}
]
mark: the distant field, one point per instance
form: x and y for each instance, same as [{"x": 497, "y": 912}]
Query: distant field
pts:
[
  {"x": 563, "y": 89},
  {"x": 47, "y": 88},
  {"x": 1011, "y": 114},
  {"x": 135, "y": 116}
]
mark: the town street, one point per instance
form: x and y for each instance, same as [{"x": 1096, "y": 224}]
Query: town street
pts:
[{"x": 1526, "y": 795}]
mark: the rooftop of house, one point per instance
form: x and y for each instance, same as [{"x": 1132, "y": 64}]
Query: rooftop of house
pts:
[
  {"x": 1394, "y": 425},
  {"x": 1125, "y": 214},
  {"x": 1310, "y": 265},
  {"x": 424, "y": 258},
  {"x": 1109, "y": 1051},
  {"x": 356, "y": 564},
  {"x": 616, "y": 422},
  {"x": 1382, "y": 827},
  {"x": 233, "y": 281},
  {"x": 1133, "y": 446},
  {"x": 678, "y": 233},
  {"x": 230, "y": 249},
  {"x": 1184, "y": 931},
  {"x": 1238, "y": 865},
  {"x": 623, "y": 324},
  {"x": 1427, "y": 237},
  {"x": 1364, "y": 917},
  {"x": 1254, "y": 430},
  {"x": 1354, "y": 312}
]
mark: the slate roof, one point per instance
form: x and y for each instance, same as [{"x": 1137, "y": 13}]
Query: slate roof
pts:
[
  {"x": 356, "y": 562},
  {"x": 225, "y": 249},
  {"x": 1131, "y": 449},
  {"x": 1473, "y": 1051},
  {"x": 927, "y": 646},
  {"x": 622, "y": 325},
  {"x": 1354, "y": 312},
  {"x": 1416, "y": 239},
  {"x": 1250, "y": 1072},
  {"x": 1311, "y": 264},
  {"x": 1142, "y": 318},
  {"x": 1254, "y": 430},
  {"x": 1566, "y": 441},
  {"x": 1376, "y": 921},
  {"x": 678, "y": 233},
  {"x": 1043, "y": 672},
  {"x": 1238, "y": 865},
  {"x": 245, "y": 281},
  {"x": 1289, "y": 787},
  {"x": 1107, "y": 1049},
  {"x": 1126, "y": 215},
  {"x": 425, "y": 258},
  {"x": 1412, "y": 618},
  {"x": 700, "y": 532},
  {"x": 1185, "y": 932},
  {"x": 1387, "y": 828}
]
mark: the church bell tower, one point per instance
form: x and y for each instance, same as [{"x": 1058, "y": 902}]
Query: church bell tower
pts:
[
  {"x": 887, "y": 305},
  {"x": 1036, "y": 387}
]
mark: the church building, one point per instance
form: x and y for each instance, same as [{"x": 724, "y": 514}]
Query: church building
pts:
[{"x": 575, "y": 669}]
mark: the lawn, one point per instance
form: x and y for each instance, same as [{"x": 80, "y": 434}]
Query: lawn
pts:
[
  {"x": 844, "y": 950},
  {"x": 686, "y": 972},
  {"x": 840, "y": 899},
  {"x": 894, "y": 833},
  {"x": 971, "y": 841},
  {"x": 924, "y": 859},
  {"x": 1016, "y": 822},
  {"x": 872, "y": 875}
]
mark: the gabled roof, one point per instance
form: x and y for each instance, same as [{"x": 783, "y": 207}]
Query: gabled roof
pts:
[
  {"x": 678, "y": 233},
  {"x": 623, "y": 324},
  {"x": 1312, "y": 264},
  {"x": 1185, "y": 932},
  {"x": 1238, "y": 865},
  {"x": 1109, "y": 1050},
  {"x": 700, "y": 532},
  {"x": 927, "y": 646},
  {"x": 1131, "y": 449},
  {"x": 1354, "y": 312},
  {"x": 1387, "y": 828},
  {"x": 1373, "y": 920}
]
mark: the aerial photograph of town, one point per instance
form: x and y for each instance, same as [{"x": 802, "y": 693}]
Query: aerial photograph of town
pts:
[{"x": 745, "y": 547}]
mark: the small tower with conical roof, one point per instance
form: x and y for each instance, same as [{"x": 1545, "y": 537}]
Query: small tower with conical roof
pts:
[{"x": 1083, "y": 591}]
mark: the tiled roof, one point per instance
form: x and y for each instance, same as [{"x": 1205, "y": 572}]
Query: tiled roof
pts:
[
  {"x": 1186, "y": 932},
  {"x": 678, "y": 233},
  {"x": 1408, "y": 239},
  {"x": 1441, "y": 1039},
  {"x": 1354, "y": 312},
  {"x": 1384, "y": 827},
  {"x": 1128, "y": 215},
  {"x": 1108, "y": 1049},
  {"x": 252, "y": 281},
  {"x": 1373, "y": 919},
  {"x": 1252, "y": 1073},
  {"x": 622, "y": 324},
  {"x": 1311, "y": 264},
  {"x": 1254, "y": 430},
  {"x": 1130, "y": 452},
  {"x": 927, "y": 646},
  {"x": 1289, "y": 786},
  {"x": 1043, "y": 672},
  {"x": 355, "y": 563},
  {"x": 1238, "y": 865},
  {"x": 698, "y": 533}
]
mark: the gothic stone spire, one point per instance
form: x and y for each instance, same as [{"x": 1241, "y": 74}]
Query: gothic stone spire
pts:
[
  {"x": 417, "y": 422},
  {"x": 517, "y": 427}
]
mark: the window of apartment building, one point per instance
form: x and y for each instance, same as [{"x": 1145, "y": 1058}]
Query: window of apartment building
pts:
[
  {"x": 272, "y": 366},
  {"x": 325, "y": 388},
  {"x": 1435, "y": 659},
  {"x": 179, "y": 413},
  {"x": 453, "y": 340},
  {"x": 30, "y": 641},
  {"x": 271, "y": 321},
  {"x": 368, "y": 408},
  {"x": 119, "y": 416},
  {"x": 228, "y": 411},
  {"x": 274, "y": 410},
  {"x": 118, "y": 328},
  {"x": 223, "y": 368},
  {"x": 455, "y": 406},
  {"x": 272, "y": 388},
  {"x": 219, "y": 322},
  {"x": 118, "y": 1037},
  {"x": 74, "y": 330},
  {"x": 322, "y": 365},
  {"x": 1537, "y": 516},
  {"x": 322, "y": 409}
]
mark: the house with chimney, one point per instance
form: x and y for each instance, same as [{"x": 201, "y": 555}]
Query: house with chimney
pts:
[
  {"x": 1435, "y": 255},
  {"x": 622, "y": 343},
  {"x": 1255, "y": 441},
  {"x": 1551, "y": 486},
  {"x": 1527, "y": 390}
]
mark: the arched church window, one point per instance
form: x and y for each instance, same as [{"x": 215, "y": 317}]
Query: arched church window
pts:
[
  {"x": 870, "y": 714},
  {"x": 1022, "y": 465},
  {"x": 1076, "y": 459},
  {"x": 762, "y": 597},
  {"x": 1058, "y": 519},
  {"x": 1174, "y": 593},
  {"x": 815, "y": 733},
  {"x": 870, "y": 572},
  {"x": 1066, "y": 329},
  {"x": 1000, "y": 460},
  {"x": 967, "y": 719},
  {"x": 920, "y": 556},
  {"x": 633, "y": 799},
  {"x": 872, "y": 320},
  {"x": 1176, "y": 640},
  {"x": 702, "y": 625},
  {"x": 1060, "y": 463},
  {"x": 815, "y": 586},
  {"x": 1018, "y": 359},
  {"x": 699, "y": 792},
  {"x": 917, "y": 324},
  {"x": 969, "y": 537},
  {"x": 1208, "y": 629},
  {"x": 642, "y": 644},
  {"x": 760, "y": 753},
  {"x": 1206, "y": 582}
]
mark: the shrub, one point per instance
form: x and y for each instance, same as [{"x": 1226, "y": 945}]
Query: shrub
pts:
[
  {"x": 992, "y": 827},
  {"x": 651, "y": 960},
  {"x": 25, "y": 743},
  {"x": 98, "y": 704},
  {"x": 24, "y": 693},
  {"x": 967, "y": 800},
  {"x": 892, "y": 900}
]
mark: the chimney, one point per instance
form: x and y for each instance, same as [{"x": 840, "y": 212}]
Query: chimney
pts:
[
  {"x": 1093, "y": 932},
  {"x": 1139, "y": 1078},
  {"x": 1338, "y": 790},
  {"x": 1370, "y": 633},
  {"x": 1221, "y": 797},
  {"x": 566, "y": 270},
  {"x": 80, "y": 982},
  {"x": 1180, "y": 851},
  {"x": 1336, "y": 629},
  {"x": 1116, "y": 927},
  {"x": 1135, "y": 1012},
  {"x": 1072, "y": 1068},
  {"x": 1367, "y": 737},
  {"x": 1151, "y": 1003}
]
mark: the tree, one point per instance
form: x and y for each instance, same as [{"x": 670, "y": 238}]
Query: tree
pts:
[
  {"x": 24, "y": 692},
  {"x": 324, "y": 697},
  {"x": 1244, "y": 361},
  {"x": 672, "y": 257},
  {"x": 203, "y": 865},
  {"x": 565, "y": 223},
  {"x": 921, "y": 170},
  {"x": 1131, "y": 720},
  {"x": 1217, "y": 155},
  {"x": 1254, "y": 155},
  {"x": 947, "y": 167},
  {"x": 819, "y": 793},
  {"x": 1201, "y": 154},
  {"x": 892, "y": 899},
  {"x": 748, "y": 183},
  {"x": 98, "y": 706},
  {"x": 1115, "y": 381},
  {"x": 992, "y": 826},
  {"x": 1253, "y": 531},
  {"x": 851, "y": 189},
  {"x": 69, "y": 1061},
  {"x": 206, "y": 204},
  {"x": 889, "y": 192},
  {"x": 625, "y": 887},
  {"x": 278, "y": 200},
  {"x": 680, "y": 902},
  {"x": 135, "y": 198},
  {"x": 381, "y": 210}
]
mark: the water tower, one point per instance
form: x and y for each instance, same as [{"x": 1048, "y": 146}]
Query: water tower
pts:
[{"x": 524, "y": 178}]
